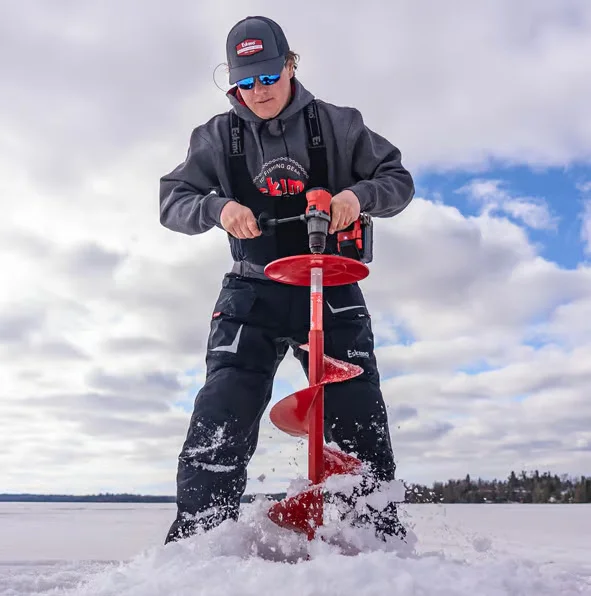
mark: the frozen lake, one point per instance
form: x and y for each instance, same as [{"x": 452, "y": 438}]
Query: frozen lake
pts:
[{"x": 116, "y": 549}]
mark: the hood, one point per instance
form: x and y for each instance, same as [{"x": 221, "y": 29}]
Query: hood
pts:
[{"x": 300, "y": 97}]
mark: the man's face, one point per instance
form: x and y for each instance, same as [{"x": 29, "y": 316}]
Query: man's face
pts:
[{"x": 267, "y": 101}]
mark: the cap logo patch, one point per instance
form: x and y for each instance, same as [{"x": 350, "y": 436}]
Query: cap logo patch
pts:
[{"x": 249, "y": 47}]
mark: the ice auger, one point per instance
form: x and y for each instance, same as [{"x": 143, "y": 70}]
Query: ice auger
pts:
[{"x": 302, "y": 413}]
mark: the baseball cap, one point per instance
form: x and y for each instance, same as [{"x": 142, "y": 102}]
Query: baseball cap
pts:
[{"x": 255, "y": 46}]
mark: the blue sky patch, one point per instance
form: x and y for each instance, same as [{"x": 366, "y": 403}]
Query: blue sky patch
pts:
[{"x": 562, "y": 191}]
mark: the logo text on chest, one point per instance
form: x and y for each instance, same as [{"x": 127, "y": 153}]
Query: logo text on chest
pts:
[{"x": 281, "y": 187}]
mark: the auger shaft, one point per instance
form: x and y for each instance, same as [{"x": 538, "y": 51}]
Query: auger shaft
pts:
[{"x": 315, "y": 373}]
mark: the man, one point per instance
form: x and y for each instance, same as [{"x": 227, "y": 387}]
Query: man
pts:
[{"x": 276, "y": 142}]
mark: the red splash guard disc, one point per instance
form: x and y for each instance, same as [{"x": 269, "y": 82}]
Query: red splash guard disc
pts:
[{"x": 337, "y": 270}]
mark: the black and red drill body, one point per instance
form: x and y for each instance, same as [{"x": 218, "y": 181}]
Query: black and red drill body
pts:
[{"x": 355, "y": 242}]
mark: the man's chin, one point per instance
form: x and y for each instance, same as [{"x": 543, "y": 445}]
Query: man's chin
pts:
[{"x": 266, "y": 112}]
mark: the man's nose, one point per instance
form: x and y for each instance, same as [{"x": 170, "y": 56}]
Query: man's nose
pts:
[{"x": 258, "y": 86}]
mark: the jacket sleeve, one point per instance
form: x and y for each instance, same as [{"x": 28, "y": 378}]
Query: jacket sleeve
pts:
[
  {"x": 384, "y": 187},
  {"x": 190, "y": 200}
]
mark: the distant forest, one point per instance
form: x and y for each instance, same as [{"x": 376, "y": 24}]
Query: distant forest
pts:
[{"x": 527, "y": 487}]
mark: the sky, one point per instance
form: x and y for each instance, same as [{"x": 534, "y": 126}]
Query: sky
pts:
[{"x": 480, "y": 291}]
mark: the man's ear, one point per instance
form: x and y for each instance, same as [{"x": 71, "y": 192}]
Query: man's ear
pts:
[{"x": 290, "y": 70}]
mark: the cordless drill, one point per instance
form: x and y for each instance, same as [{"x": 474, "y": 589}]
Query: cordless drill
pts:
[
  {"x": 317, "y": 216},
  {"x": 354, "y": 242}
]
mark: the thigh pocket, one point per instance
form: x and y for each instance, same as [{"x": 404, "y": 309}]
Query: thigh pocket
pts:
[
  {"x": 236, "y": 299},
  {"x": 231, "y": 315},
  {"x": 351, "y": 336}
]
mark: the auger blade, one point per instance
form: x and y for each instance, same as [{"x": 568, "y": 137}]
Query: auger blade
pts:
[
  {"x": 291, "y": 413},
  {"x": 337, "y": 371},
  {"x": 339, "y": 462},
  {"x": 301, "y": 513}
]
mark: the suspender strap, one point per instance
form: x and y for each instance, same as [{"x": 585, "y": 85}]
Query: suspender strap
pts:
[
  {"x": 316, "y": 148},
  {"x": 241, "y": 182},
  {"x": 236, "y": 135},
  {"x": 315, "y": 138}
]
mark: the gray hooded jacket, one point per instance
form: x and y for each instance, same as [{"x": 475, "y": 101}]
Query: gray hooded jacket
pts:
[{"x": 193, "y": 195}]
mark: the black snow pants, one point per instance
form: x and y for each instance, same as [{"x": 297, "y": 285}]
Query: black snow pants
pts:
[{"x": 255, "y": 322}]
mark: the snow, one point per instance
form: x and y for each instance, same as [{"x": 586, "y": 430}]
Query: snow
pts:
[{"x": 101, "y": 549}]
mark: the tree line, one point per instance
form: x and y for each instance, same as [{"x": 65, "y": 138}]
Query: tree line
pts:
[{"x": 527, "y": 487}]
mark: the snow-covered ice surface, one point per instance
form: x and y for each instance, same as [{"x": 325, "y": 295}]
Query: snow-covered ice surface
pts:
[{"x": 116, "y": 550}]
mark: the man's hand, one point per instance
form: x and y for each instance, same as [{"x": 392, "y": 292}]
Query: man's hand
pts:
[
  {"x": 239, "y": 221},
  {"x": 344, "y": 210}
]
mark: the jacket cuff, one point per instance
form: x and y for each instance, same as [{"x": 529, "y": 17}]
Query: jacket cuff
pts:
[
  {"x": 363, "y": 194},
  {"x": 213, "y": 205}
]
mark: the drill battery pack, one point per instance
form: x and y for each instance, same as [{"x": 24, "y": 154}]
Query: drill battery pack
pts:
[{"x": 356, "y": 241}]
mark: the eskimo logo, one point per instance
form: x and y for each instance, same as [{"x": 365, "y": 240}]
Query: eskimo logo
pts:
[
  {"x": 248, "y": 47},
  {"x": 357, "y": 354},
  {"x": 236, "y": 141},
  {"x": 281, "y": 177}
]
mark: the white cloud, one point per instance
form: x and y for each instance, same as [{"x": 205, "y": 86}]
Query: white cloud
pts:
[
  {"x": 533, "y": 212},
  {"x": 482, "y": 82},
  {"x": 450, "y": 274},
  {"x": 99, "y": 365},
  {"x": 104, "y": 313}
]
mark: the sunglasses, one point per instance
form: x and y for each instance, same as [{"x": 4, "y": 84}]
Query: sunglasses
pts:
[{"x": 248, "y": 82}]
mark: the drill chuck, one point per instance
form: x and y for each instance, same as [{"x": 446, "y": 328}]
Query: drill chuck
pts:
[
  {"x": 317, "y": 231},
  {"x": 318, "y": 218}
]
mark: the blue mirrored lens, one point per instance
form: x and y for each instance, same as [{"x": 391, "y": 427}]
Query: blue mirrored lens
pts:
[
  {"x": 269, "y": 79},
  {"x": 248, "y": 82}
]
